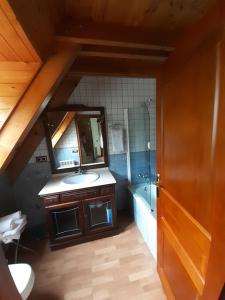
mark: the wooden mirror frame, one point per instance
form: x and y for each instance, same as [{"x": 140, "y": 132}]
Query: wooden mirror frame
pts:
[{"x": 76, "y": 108}]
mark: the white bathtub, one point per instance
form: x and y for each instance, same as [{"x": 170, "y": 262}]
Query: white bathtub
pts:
[{"x": 145, "y": 213}]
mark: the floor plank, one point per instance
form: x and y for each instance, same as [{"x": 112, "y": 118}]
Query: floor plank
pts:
[{"x": 113, "y": 268}]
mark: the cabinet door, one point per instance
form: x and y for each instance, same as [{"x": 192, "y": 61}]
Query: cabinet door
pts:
[
  {"x": 66, "y": 222},
  {"x": 99, "y": 214}
]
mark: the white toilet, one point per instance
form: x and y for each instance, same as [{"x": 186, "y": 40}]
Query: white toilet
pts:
[{"x": 23, "y": 277}]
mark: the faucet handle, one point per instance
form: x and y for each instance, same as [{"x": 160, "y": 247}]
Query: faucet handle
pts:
[{"x": 78, "y": 171}]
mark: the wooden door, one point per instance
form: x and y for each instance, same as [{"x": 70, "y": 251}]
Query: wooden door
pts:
[{"x": 191, "y": 203}]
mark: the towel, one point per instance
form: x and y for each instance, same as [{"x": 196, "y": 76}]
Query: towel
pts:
[
  {"x": 15, "y": 233},
  {"x": 117, "y": 140},
  {"x": 7, "y": 222}
]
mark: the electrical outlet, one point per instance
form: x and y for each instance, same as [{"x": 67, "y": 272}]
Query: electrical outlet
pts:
[{"x": 41, "y": 158}]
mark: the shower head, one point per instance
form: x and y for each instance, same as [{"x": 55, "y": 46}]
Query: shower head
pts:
[{"x": 148, "y": 104}]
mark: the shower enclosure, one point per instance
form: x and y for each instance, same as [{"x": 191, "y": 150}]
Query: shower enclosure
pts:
[
  {"x": 142, "y": 150},
  {"x": 141, "y": 162}
]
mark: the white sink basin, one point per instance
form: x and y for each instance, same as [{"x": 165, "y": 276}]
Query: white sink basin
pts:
[{"x": 81, "y": 178}]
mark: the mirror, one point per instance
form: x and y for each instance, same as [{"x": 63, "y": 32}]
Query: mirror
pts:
[
  {"x": 90, "y": 137},
  {"x": 76, "y": 137}
]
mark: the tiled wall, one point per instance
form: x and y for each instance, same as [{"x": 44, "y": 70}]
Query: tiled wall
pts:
[
  {"x": 115, "y": 94},
  {"x": 6, "y": 195},
  {"x": 40, "y": 151},
  {"x": 67, "y": 146},
  {"x": 69, "y": 138},
  {"x": 141, "y": 127},
  {"x": 26, "y": 189}
]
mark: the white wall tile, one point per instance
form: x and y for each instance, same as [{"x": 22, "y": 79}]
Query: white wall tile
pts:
[{"x": 116, "y": 94}]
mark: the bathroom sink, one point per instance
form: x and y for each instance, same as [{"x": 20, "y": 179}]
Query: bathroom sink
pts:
[{"x": 81, "y": 178}]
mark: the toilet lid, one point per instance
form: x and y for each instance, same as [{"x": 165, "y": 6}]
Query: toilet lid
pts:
[{"x": 23, "y": 277}]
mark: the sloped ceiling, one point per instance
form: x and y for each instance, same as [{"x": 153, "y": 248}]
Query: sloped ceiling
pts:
[{"x": 128, "y": 38}]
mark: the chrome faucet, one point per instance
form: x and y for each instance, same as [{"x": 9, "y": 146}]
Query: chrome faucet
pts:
[
  {"x": 79, "y": 171},
  {"x": 145, "y": 177}
]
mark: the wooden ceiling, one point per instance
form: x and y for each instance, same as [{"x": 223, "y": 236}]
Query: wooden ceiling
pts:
[
  {"x": 139, "y": 32},
  {"x": 109, "y": 37},
  {"x": 28, "y": 74},
  {"x": 163, "y": 16},
  {"x": 19, "y": 62}
]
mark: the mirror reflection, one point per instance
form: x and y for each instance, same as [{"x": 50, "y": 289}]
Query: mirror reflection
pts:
[
  {"x": 64, "y": 139},
  {"x": 75, "y": 138},
  {"x": 90, "y": 136}
]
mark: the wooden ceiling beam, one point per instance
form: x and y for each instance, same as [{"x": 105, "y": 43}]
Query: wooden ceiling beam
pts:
[
  {"x": 113, "y": 35},
  {"x": 91, "y": 66},
  {"x": 106, "y": 54},
  {"x": 123, "y": 53},
  {"x": 35, "y": 100},
  {"x": 124, "y": 50},
  {"x": 36, "y": 134}
]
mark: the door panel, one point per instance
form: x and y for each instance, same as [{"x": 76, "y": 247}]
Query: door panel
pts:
[
  {"x": 176, "y": 275},
  {"x": 187, "y": 135},
  {"x": 188, "y": 114},
  {"x": 191, "y": 236},
  {"x": 215, "y": 277}
]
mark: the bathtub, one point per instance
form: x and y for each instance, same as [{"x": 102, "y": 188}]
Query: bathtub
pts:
[{"x": 144, "y": 209}]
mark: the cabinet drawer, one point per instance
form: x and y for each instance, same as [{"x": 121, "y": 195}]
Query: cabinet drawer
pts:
[
  {"x": 79, "y": 195},
  {"x": 107, "y": 190},
  {"x": 51, "y": 199}
]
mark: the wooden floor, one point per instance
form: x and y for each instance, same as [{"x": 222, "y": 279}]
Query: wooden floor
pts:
[{"x": 117, "y": 268}]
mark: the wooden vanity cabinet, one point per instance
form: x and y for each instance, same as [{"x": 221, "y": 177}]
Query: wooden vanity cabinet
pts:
[{"x": 80, "y": 215}]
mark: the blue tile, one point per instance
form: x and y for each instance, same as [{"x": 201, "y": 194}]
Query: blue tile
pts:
[
  {"x": 118, "y": 166},
  {"x": 140, "y": 164}
]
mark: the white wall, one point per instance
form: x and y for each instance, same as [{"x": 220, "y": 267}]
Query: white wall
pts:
[{"x": 69, "y": 138}]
